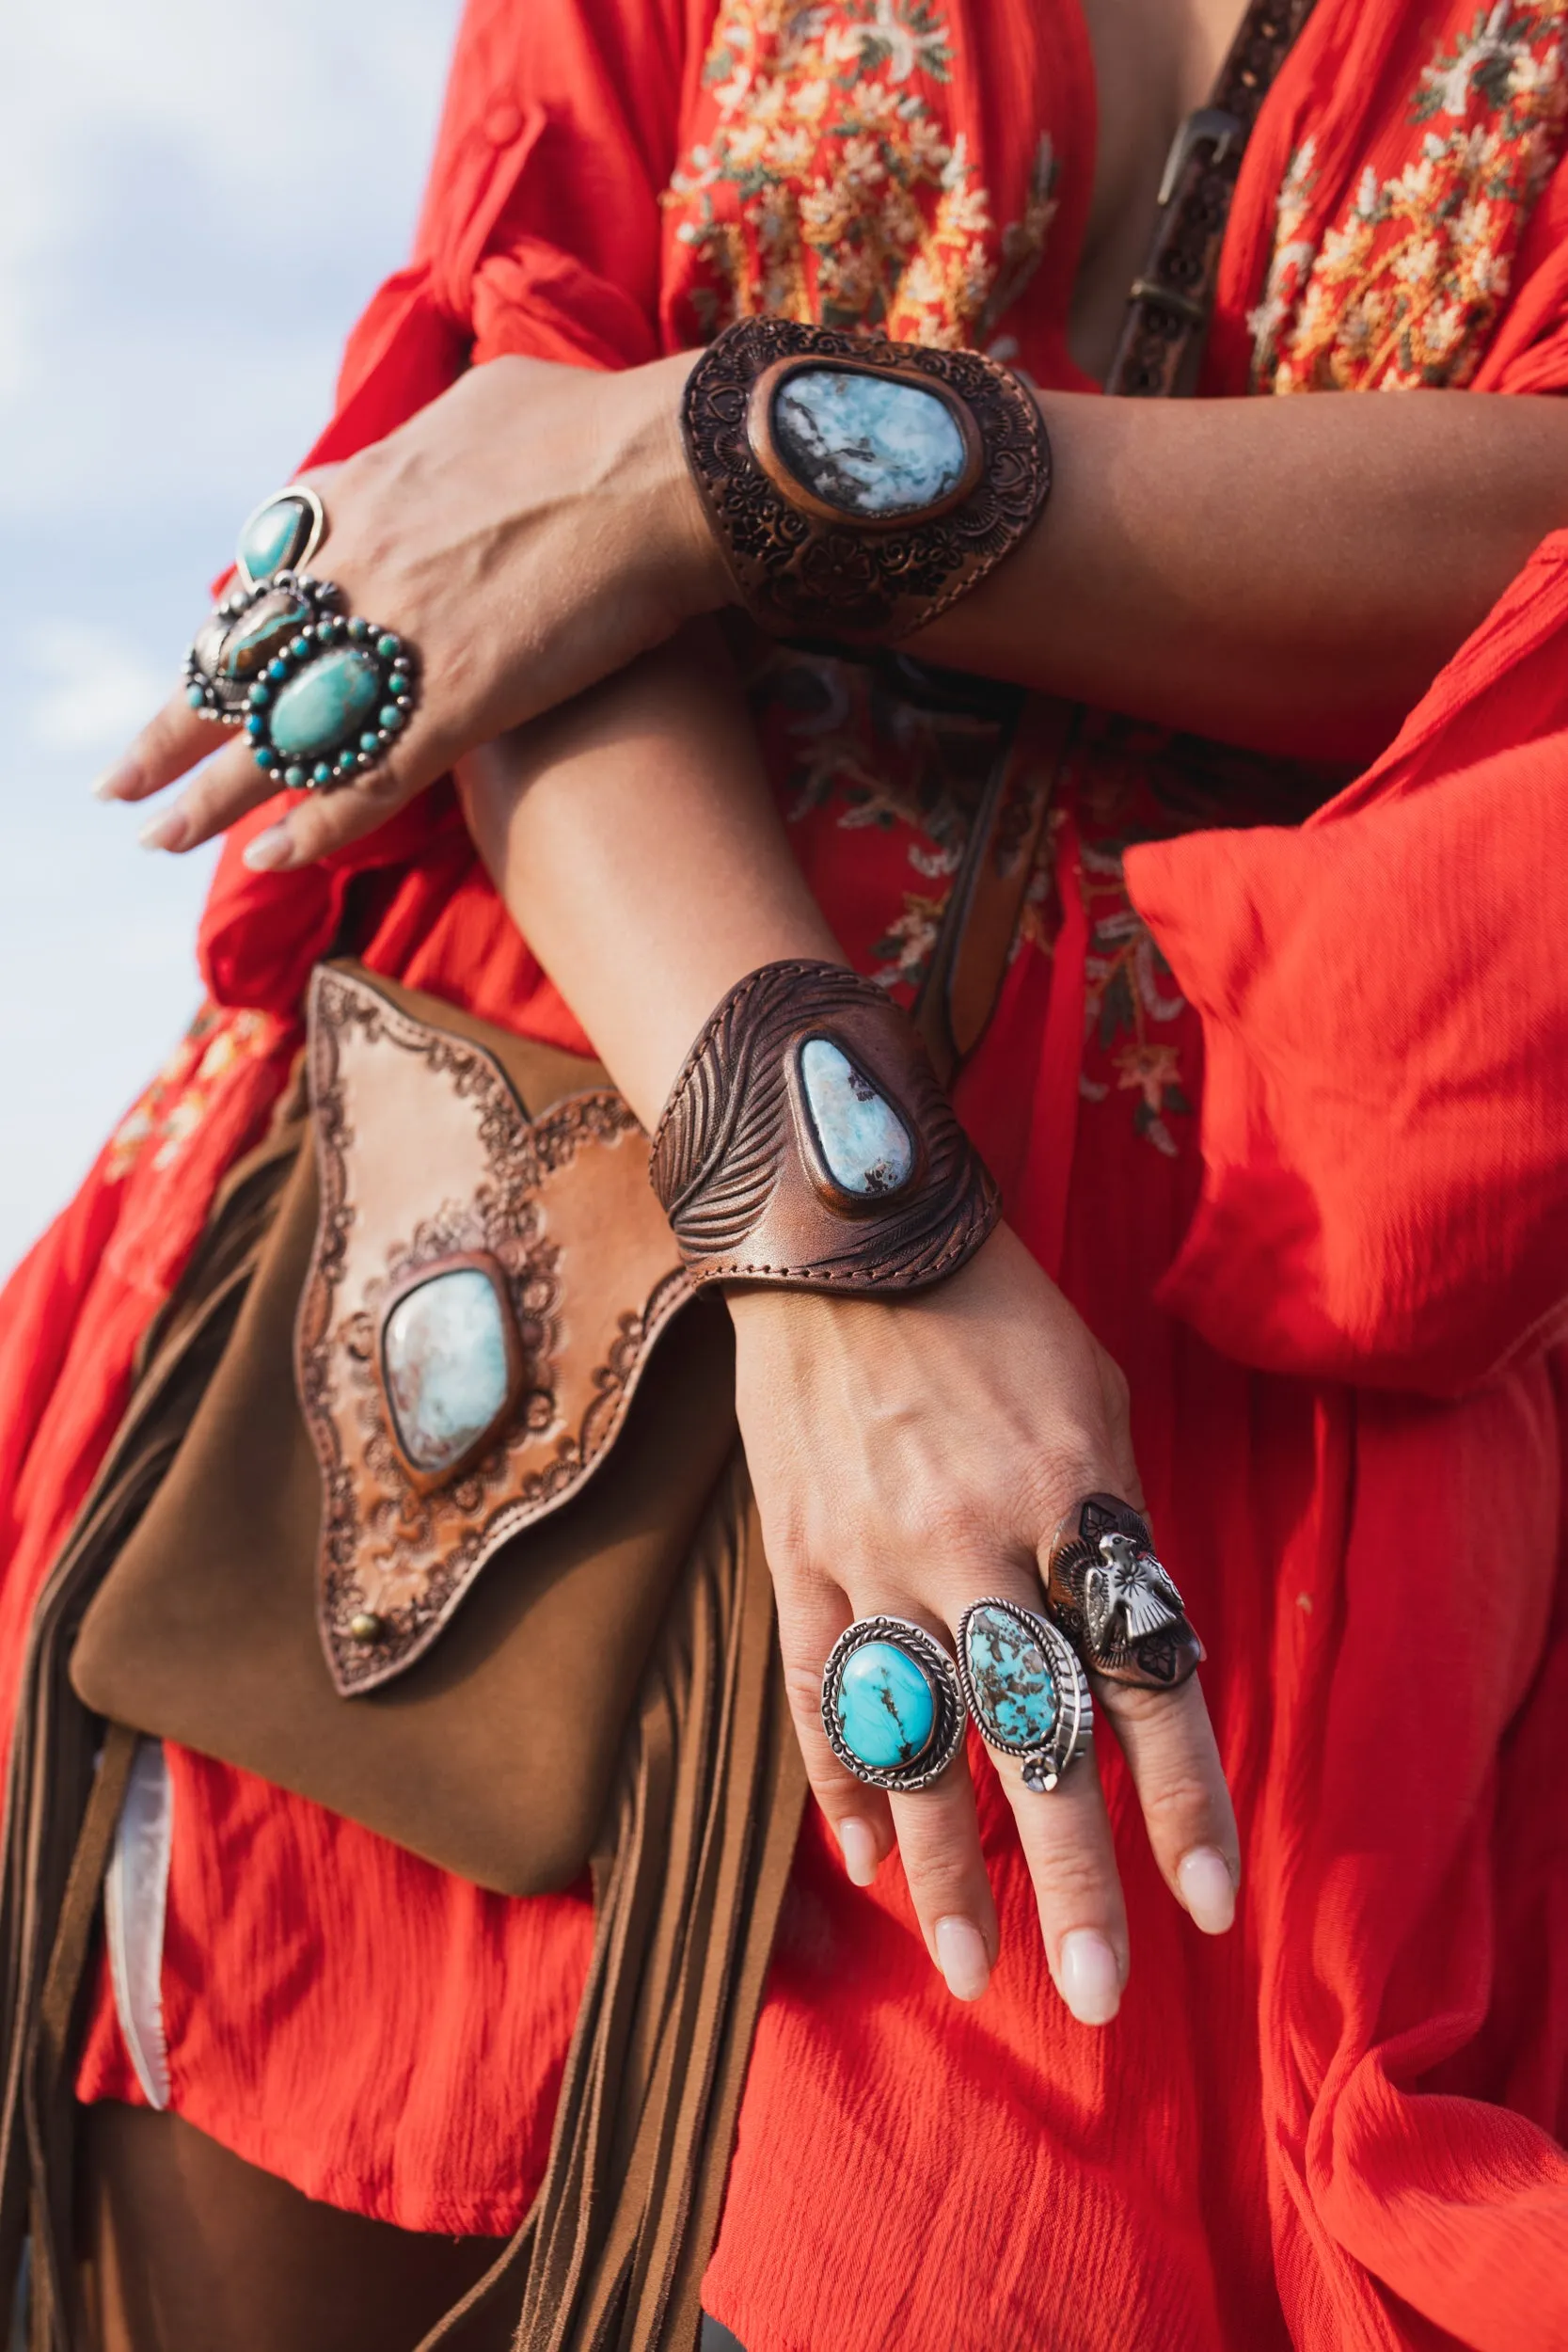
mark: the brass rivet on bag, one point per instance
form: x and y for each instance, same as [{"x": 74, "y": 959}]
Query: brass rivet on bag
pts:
[{"x": 365, "y": 1627}]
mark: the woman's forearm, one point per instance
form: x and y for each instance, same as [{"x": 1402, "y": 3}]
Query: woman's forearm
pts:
[
  {"x": 1287, "y": 574},
  {"x": 636, "y": 844}
]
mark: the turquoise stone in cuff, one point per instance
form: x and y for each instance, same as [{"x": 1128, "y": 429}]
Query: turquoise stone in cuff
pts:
[
  {"x": 275, "y": 537},
  {"x": 1015, "y": 1690},
  {"x": 448, "y": 1377},
  {"x": 324, "y": 704},
  {"x": 885, "y": 1705},
  {"x": 873, "y": 448},
  {"x": 865, "y": 1147}
]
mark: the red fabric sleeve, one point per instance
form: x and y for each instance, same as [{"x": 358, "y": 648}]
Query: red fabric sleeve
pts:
[
  {"x": 1385, "y": 999},
  {"x": 541, "y": 235}
]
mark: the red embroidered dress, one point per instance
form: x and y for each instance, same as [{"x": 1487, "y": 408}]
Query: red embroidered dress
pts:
[{"x": 1330, "y": 1267}]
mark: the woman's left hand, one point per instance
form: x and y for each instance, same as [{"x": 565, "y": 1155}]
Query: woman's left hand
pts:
[{"x": 528, "y": 533}]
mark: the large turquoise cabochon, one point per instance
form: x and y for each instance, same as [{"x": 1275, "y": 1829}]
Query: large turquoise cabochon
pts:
[
  {"x": 326, "y": 703},
  {"x": 1014, "y": 1689},
  {"x": 886, "y": 1707},
  {"x": 444, "y": 1349},
  {"x": 275, "y": 538},
  {"x": 870, "y": 447},
  {"x": 866, "y": 1146}
]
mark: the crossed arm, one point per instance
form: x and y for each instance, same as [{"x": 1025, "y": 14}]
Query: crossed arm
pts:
[{"x": 1285, "y": 574}]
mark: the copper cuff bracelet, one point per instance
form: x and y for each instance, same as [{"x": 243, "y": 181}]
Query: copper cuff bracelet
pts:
[
  {"x": 858, "y": 488},
  {"x": 1110, "y": 1595},
  {"x": 806, "y": 1141}
]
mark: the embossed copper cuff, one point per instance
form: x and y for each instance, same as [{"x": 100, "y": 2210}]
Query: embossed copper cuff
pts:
[
  {"x": 807, "y": 1141},
  {"x": 858, "y": 489},
  {"x": 1115, "y": 1601}
]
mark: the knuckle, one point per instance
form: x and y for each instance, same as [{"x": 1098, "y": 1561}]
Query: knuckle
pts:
[
  {"x": 1173, "y": 1801},
  {"x": 1075, "y": 1881}
]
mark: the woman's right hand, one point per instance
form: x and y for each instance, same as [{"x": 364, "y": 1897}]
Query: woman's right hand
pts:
[
  {"x": 911, "y": 1457},
  {"x": 529, "y": 532}
]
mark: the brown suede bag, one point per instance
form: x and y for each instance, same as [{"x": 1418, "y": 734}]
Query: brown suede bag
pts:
[{"x": 289, "y": 1527}]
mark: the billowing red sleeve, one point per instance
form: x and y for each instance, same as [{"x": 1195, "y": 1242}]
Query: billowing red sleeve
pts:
[
  {"x": 541, "y": 226},
  {"x": 1385, "y": 1000}
]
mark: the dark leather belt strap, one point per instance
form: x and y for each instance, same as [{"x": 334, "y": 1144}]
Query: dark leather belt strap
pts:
[{"x": 1167, "y": 312}]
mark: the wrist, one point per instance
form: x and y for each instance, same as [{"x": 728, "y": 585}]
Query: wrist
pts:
[{"x": 687, "y": 551}]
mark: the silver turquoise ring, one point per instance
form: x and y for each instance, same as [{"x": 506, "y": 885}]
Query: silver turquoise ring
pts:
[
  {"x": 322, "y": 694},
  {"x": 891, "y": 1706},
  {"x": 1025, "y": 1686}
]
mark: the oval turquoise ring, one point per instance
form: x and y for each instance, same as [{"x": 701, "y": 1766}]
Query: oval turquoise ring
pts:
[
  {"x": 322, "y": 694},
  {"x": 891, "y": 1706},
  {"x": 1026, "y": 1688}
]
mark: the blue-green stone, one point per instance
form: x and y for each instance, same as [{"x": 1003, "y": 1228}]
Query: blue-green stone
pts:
[
  {"x": 300, "y": 648},
  {"x": 263, "y": 756},
  {"x": 387, "y": 645},
  {"x": 321, "y": 771},
  {"x": 196, "y": 698},
  {"x": 275, "y": 538},
  {"x": 448, "y": 1372},
  {"x": 277, "y": 669},
  {"x": 1015, "y": 1690},
  {"x": 358, "y": 628},
  {"x": 369, "y": 742},
  {"x": 390, "y": 717},
  {"x": 324, "y": 702},
  {"x": 886, "y": 1707},
  {"x": 866, "y": 1146},
  {"x": 870, "y": 446},
  {"x": 294, "y": 778},
  {"x": 256, "y": 725},
  {"x": 259, "y": 696}
]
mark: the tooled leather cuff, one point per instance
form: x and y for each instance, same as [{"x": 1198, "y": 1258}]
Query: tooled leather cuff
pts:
[
  {"x": 856, "y": 488},
  {"x": 806, "y": 1141}
]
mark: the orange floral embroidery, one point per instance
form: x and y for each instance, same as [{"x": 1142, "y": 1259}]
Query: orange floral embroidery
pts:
[
  {"x": 1404, "y": 290},
  {"x": 828, "y": 188},
  {"x": 179, "y": 1097},
  {"x": 1128, "y": 987}
]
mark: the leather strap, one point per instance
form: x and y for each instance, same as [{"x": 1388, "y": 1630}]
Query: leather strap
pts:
[{"x": 1167, "y": 312}]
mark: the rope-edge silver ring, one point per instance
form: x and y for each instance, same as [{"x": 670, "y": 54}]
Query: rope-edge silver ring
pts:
[{"x": 947, "y": 1731}]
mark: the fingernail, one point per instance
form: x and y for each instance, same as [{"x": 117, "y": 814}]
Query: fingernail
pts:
[
  {"x": 962, "y": 1957},
  {"x": 858, "y": 1842},
  {"x": 1090, "y": 1980},
  {"x": 1208, "y": 1889},
  {"x": 269, "y": 851},
  {"x": 166, "y": 831},
  {"x": 117, "y": 782}
]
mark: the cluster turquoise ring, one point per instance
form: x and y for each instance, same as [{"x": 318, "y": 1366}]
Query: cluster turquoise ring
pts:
[
  {"x": 1025, "y": 1685},
  {"x": 891, "y": 1706},
  {"x": 322, "y": 694}
]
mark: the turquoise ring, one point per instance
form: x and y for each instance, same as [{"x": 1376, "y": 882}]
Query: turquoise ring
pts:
[
  {"x": 1025, "y": 1686},
  {"x": 891, "y": 1706},
  {"x": 322, "y": 694}
]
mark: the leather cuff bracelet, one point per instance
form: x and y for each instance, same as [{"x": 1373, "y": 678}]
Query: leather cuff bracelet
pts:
[
  {"x": 857, "y": 489},
  {"x": 807, "y": 1141}
]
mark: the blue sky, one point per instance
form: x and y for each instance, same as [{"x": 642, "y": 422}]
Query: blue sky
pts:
[{"x": 194, "y": 203}]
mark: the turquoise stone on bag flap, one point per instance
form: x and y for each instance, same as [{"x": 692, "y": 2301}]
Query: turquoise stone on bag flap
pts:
[
  {"x": 1015, "y": 1690},
  {"x": 325, "y": 702},
  {"x": 865, "y": 1147},
  {"x": 886, "y": 1707},
  {"x": 447, "y": 1376},
  {"x": 261, "y": 633},
  {"x": 870, "y": 447},
  {"x": 275, "y": 538}
]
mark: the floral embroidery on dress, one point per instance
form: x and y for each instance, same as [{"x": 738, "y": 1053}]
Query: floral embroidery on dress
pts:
[
  {"x": 828, "y": 188},
  {"x": 1404, "y": 290},
  {"x": 1128, "y": 987},
  {"x": 171, "y": 1110}
]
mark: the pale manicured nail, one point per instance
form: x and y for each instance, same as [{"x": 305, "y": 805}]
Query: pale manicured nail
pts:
[
  {"x": 857, "y": 1843},
  {"x": 166, "y": 831},
  {"x": 1090, "y": 1980},
  {"x": 962, "y": 1957},
  {"x": 117, "y": 782},
  {"x": 1207, "y": 1889},
  {"x": 269, "y": 851}
]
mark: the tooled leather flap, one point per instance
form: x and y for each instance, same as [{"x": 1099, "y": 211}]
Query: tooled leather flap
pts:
[{"x": 483, "y": 1297}]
